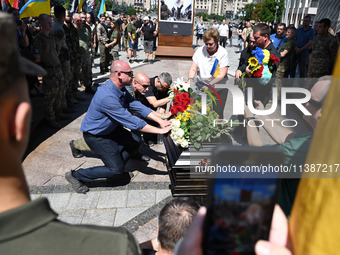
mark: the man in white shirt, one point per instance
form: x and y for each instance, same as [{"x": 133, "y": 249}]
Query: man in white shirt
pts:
[{"x": 224, "y": 33}]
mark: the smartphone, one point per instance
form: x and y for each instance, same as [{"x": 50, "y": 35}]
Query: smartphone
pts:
[{"x": 240, "y": 207}]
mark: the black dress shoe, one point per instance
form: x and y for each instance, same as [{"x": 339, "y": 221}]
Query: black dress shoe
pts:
[
  {"x": 75, "y": 152},
  {"x": 78, "y": 186}
]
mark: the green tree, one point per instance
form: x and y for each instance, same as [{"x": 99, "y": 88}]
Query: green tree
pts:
[
  {"x": 268, "y": 10},
  {"x": 257, "y": 11},
  {"x": 248, "y": 10}
]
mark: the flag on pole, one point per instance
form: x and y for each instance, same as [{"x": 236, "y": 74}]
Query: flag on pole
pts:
[
  {"x": 14, "y": 3},
  {"x": 33, "y": 8},
  {"x": 74, "y": 6},
  {"x": 102, "y": 8},
  {"x": 80, "y": 5},
  {"x": 89, "y": 6},
  {"x": 215, "y": 71}
]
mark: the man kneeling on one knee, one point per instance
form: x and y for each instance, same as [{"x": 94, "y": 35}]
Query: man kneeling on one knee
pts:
[{"x": 104, "y": 132}]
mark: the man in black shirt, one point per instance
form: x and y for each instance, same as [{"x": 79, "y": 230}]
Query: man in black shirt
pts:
[{"x": 148, "y": 30}]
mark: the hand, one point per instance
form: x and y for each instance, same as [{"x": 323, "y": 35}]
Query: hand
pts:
[
  {"x": 107, "y": 45},
  {"x": 165, "y": 130},
  {"x": 165, "y": 123},
  {"x": 167, "y": 115},
  {"x": 298, "y": 51},
  {"x": 132, "y": 42},
  {"x": 94, "y": 45},
  {"x": 248, "y": 71},
  {"x": 258, "y": 105},
  {"x": 192, "y": 242},
  {"x": 278, "y": 238},
  {"x": 238, "y": 73}
]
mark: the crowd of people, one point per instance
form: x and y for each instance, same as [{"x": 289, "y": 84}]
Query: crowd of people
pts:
[{"x": 65, "y": 47}]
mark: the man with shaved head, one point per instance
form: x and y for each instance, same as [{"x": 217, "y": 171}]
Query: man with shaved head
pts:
[
  {"x": 141, "y": 84},
  {"x": 105, "y": 128}
]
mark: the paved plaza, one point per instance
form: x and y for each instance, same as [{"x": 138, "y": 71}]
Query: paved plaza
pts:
[{"x": 134, "y": 206}]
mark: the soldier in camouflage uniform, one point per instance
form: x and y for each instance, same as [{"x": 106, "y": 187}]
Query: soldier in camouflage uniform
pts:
[
  {"x": 102, "y": 40},
  {"x": 85, "y": 64},
  {"x": 58, "y": 34},
  {"x": 286, "y": 51},
  {"x": 72, "y": 41},
  {"x": 325, "y": 48},
  {"x": 46, "y": 52}
]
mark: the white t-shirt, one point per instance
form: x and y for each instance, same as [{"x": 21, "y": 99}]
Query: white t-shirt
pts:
[
  {"x": 205, "y": 62},
  {"x": 215, "y": 26},
  {"x": 223, "y": 29}
]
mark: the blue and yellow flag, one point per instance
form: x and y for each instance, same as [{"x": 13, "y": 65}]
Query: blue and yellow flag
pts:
[
  {"x": 215, "y": 71},
  {"x": 33, "y": 8},
  {"x": 102, "y": 8},
  {"x": 80, "y": 5}
]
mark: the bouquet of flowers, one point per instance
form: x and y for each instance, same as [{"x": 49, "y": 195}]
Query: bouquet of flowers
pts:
[
  {"x": 180, "y": 92},
  {"x": 262, "y": 64},
  {"x": 189, "y": 125}
]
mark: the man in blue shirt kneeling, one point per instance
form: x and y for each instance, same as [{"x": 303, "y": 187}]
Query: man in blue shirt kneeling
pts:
[{"x": 104, "y": 128}]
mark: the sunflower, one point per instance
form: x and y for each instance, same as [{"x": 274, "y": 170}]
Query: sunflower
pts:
[{"x": 253, "y": 61}]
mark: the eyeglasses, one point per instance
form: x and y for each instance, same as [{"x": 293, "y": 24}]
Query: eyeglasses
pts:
[
  {"x": 143, "y": 85},
  {"x": 315, "y": 103},
  {"x": 129, "y": 73}
]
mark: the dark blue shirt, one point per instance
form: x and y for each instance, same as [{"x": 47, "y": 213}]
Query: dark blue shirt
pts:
[
  {"x": 278, "y": 41},
  {"x": 303, "y": 37},
  {"x": 110, "y": 107}
]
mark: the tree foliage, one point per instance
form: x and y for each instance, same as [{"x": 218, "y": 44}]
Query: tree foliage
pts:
[{"x": 263, "y": 11}]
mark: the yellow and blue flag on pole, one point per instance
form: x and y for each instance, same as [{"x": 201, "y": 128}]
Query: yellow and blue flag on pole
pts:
[
  {"x": 102, "y": 8},
  {"x": 33, "y": 8},
  {"x": 80, "y": 5},
  {"x": 215, "y": 71}
]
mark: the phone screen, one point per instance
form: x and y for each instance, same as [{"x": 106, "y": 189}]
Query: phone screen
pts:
[{"x": 239, "y": 214}]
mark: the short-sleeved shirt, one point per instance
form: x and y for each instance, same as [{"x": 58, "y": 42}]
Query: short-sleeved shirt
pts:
[
  {"x": 110, "y": 107},
  {"x": 278, "y": 42},
  {"x": 303, "y": 37},
  {"x": 132, "y": 30},
  {"x": 33, "y": 228},
  {"x": 290, "y": 46},
  {"x": 200, "y": 29},
  {"x": 240, "y": 30},
  {"x": 205, "y": 62},
  {"x": 148, "y": 32},
  {"x": 223, "y": 29},
  {"x": 114, "y": 36}
]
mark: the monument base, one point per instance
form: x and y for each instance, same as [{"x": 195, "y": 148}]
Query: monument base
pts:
[{"x": 174, "y": 52}]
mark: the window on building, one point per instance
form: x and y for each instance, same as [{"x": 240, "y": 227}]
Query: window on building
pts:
[{"x": 314, "y": 3}]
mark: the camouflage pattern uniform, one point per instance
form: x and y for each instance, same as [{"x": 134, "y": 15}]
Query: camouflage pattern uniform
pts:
[
  {"x": 85, "y": 64},
  {"x": 45, "y": 49},
  {"x": 72, "y": 41},
  {"x": 322, "y": 58},
  {"x": 58, "y": 34},
  {"x": 284, "y": 67},
  {"x": 104, "y": 52}
]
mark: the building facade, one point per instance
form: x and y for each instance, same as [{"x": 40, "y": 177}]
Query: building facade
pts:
[{"x": 296, "y": 10}]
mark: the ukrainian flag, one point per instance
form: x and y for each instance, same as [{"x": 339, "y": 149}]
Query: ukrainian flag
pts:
[
  {"x": 33, "y": 8},
  {"x": 80, "y": 5},
  {"x": 102, "y": 8},
  {"x": 215, "y": 71}
]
